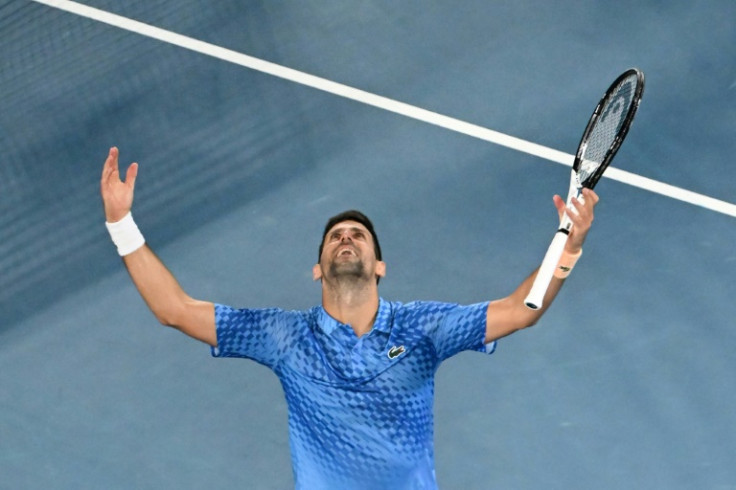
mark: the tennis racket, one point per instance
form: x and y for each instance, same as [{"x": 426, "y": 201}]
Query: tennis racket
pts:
[{"x": 601, "y": 140}]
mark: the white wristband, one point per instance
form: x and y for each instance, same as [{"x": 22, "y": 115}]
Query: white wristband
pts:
[
  {"x": 125, "y": 235},
  {"x": 566, "y": 264}
]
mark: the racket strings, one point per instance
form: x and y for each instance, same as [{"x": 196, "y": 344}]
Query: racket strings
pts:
[{"x": 608, "y": 126}]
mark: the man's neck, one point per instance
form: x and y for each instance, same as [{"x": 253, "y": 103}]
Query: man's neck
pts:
[{"x": 351, "y": 306}]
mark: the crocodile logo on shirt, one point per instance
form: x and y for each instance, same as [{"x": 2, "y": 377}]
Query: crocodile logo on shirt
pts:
[{"x": 395, "y": 351}]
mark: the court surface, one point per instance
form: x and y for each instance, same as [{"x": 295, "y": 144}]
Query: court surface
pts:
[{"x": 627, "y": 382}]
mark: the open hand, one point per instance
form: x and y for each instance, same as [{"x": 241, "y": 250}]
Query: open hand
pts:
[{"x": 117, "y": 196}]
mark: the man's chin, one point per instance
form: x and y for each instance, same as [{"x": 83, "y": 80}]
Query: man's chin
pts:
[{"x": 347, "y": 270}]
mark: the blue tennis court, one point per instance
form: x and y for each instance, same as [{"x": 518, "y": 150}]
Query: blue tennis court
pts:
[{"x": 253, "y": 122}]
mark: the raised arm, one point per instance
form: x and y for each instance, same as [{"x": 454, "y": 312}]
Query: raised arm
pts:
[
  {"x": 507, "y": 315},
  {"x": 158, "y": 287}
]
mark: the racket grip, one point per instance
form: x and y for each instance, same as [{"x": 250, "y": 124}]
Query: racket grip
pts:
[{"x": 536, "y": 294}]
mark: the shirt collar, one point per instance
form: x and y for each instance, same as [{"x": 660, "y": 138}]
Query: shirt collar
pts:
[{"x": 382, "y": 322}]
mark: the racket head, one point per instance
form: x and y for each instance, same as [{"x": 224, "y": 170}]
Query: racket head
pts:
[{"x": 608, "y": 127}]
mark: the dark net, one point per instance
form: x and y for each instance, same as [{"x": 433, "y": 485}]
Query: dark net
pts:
[{"x": 208, "y": 135}]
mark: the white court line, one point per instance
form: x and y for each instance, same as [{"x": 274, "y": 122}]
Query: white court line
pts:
[{"x": 382, "y": 102}]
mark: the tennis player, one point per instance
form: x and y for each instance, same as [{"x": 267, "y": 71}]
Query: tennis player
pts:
[{"x": 357, "y": 370}]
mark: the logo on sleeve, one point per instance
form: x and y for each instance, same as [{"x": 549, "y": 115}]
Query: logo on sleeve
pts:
[{"x": 395, "y": 351}]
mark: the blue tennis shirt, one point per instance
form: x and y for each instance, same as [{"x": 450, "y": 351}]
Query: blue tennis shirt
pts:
[{"x": 360, "y": 408}]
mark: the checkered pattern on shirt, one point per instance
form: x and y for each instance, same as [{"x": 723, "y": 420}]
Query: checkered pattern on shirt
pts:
[{"x": 357, "y": 419}]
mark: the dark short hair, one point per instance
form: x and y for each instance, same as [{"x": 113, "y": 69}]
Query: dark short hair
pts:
[{"x": 351, "y": 215}]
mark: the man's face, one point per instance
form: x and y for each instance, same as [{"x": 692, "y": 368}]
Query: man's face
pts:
[{"x": 348, "y": 253}]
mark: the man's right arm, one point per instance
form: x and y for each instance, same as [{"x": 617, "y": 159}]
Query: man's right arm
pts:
[
  {"x": 167, "y": 300},
  {"x": 158, "y": 287}
]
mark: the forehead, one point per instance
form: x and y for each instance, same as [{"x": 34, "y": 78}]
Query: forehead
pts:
[{"x": 348, "y": 225}]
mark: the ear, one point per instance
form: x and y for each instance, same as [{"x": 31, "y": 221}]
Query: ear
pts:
[
  {"x": 381, "y": 268},
  {"x": 316, "y": 272}
]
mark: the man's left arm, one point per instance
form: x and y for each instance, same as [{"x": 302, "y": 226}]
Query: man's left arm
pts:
[{"x": 507, "y": 315}]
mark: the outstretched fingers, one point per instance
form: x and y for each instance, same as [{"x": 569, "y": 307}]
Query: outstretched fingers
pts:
[
  {"x": 110, "y": 169},
  {"x": 130, "y": 175},
  {"x": 117, "y": 196}
]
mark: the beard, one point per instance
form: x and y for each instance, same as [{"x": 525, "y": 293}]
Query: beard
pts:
[{"x": 352, "y": 271}]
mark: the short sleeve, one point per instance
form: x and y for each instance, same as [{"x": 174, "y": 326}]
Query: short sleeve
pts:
[
  {"x": 249, "y": 333},
  {"x": 460, "y": 328}
]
